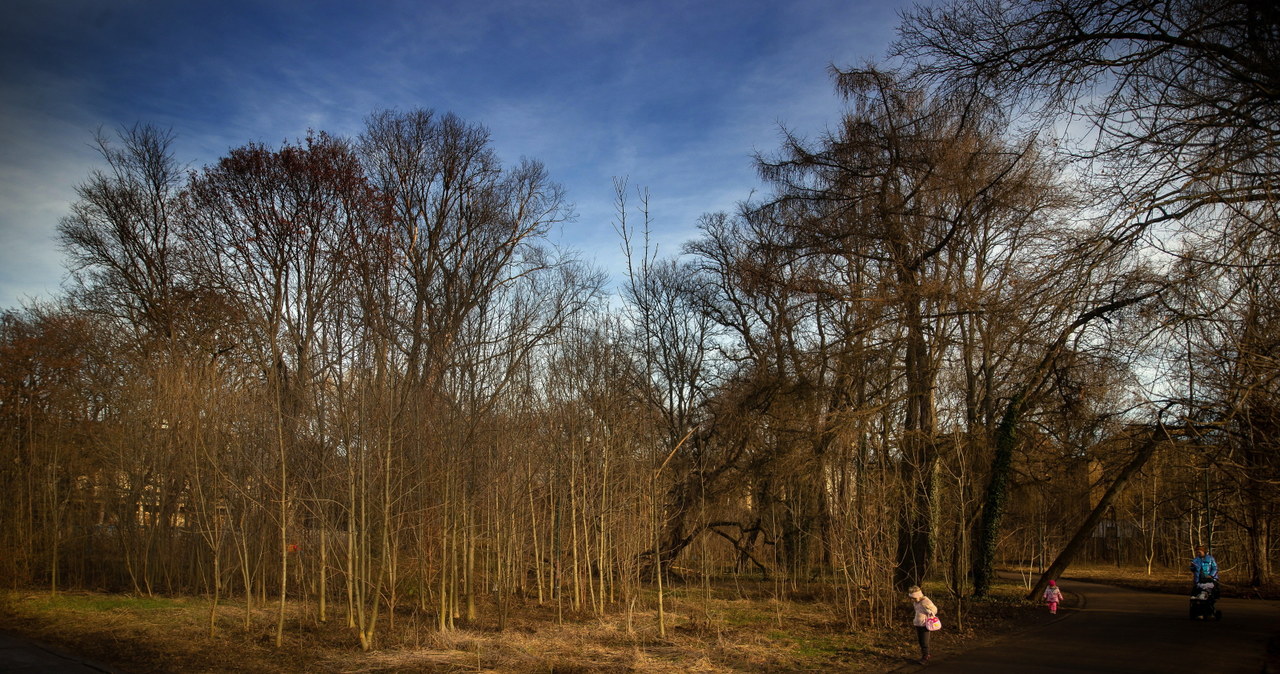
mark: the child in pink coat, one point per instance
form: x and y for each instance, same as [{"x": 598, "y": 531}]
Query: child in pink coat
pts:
[{"x": 1052, "y": 595}]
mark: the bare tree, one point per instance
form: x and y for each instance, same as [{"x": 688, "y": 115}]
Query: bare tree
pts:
[
  {"x": 1180, "y": 104},
  {"x": 908, "y": 179},
  {"x": 121, "y": 235},
  {"x": 463, "y": 231},
  {"x": 270, "y": 228},
  {"x": 1182, "y": 96}
]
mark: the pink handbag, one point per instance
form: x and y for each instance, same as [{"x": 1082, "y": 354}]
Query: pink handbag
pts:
[{"x": 932, "y": 623}]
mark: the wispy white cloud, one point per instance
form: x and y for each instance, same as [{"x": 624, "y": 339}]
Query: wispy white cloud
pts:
[
  {"x": 672, "y": 94},
  {"x": 42, "y": 161}
]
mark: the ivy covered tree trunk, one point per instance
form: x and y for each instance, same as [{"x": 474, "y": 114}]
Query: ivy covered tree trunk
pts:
[{"x": 984, "y": 552}]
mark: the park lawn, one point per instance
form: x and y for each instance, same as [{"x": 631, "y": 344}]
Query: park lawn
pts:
[{"x": 740, "y": 628}]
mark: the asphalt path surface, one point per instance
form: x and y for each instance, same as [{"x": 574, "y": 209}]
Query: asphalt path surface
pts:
[
  {"x": 21, "y": 655},
  {"x": 1113, "y": 629}
]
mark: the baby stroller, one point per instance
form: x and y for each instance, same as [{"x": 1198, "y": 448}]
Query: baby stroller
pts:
[{"x": 1204, "y": 601}]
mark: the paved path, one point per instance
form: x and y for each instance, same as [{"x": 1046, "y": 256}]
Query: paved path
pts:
[
  {"x": 1112, "y": 629},
  {"x": 20, "y": 655}
]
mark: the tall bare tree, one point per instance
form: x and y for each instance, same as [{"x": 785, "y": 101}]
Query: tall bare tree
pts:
[
  {"x": 271, "y": 228},
  {"x": 908, "y": 179}
]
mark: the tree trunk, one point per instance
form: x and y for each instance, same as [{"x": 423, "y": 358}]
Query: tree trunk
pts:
[
  {"x": 1086, "y": 528},
  {"x": 984, "y": 551}
]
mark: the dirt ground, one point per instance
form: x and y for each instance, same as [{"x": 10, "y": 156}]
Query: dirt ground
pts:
[{"x": 738, "y": 629}]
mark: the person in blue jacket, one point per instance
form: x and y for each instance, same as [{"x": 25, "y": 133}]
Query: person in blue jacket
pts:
[{"x": 1204, "y": 568}]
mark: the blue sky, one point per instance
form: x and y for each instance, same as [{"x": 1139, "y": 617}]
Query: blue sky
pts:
[{"x": 675, "y": 96}]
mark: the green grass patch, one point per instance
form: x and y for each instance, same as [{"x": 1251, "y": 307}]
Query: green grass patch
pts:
[
  {"x": 825, "y": 646},
  {"x": 814, "y": 645},
  {"x": 75, "y": 602}
]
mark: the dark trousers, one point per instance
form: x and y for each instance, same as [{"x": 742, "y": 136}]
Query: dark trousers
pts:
[{"x": 922, "y": 635}]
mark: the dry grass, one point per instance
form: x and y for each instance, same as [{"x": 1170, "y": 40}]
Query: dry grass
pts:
[{"x": 728, "y": 632}]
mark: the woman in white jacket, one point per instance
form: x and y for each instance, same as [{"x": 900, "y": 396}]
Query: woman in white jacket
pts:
[{"x": 924, "y": 609}]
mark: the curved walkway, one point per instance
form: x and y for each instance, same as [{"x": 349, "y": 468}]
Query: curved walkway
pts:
[
  {"x": 19, "y": 654},
  {"x": 1113, "y": 629}
]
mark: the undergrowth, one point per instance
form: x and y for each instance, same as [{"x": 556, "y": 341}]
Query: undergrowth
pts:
[{"x": 734, "y": 628}]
